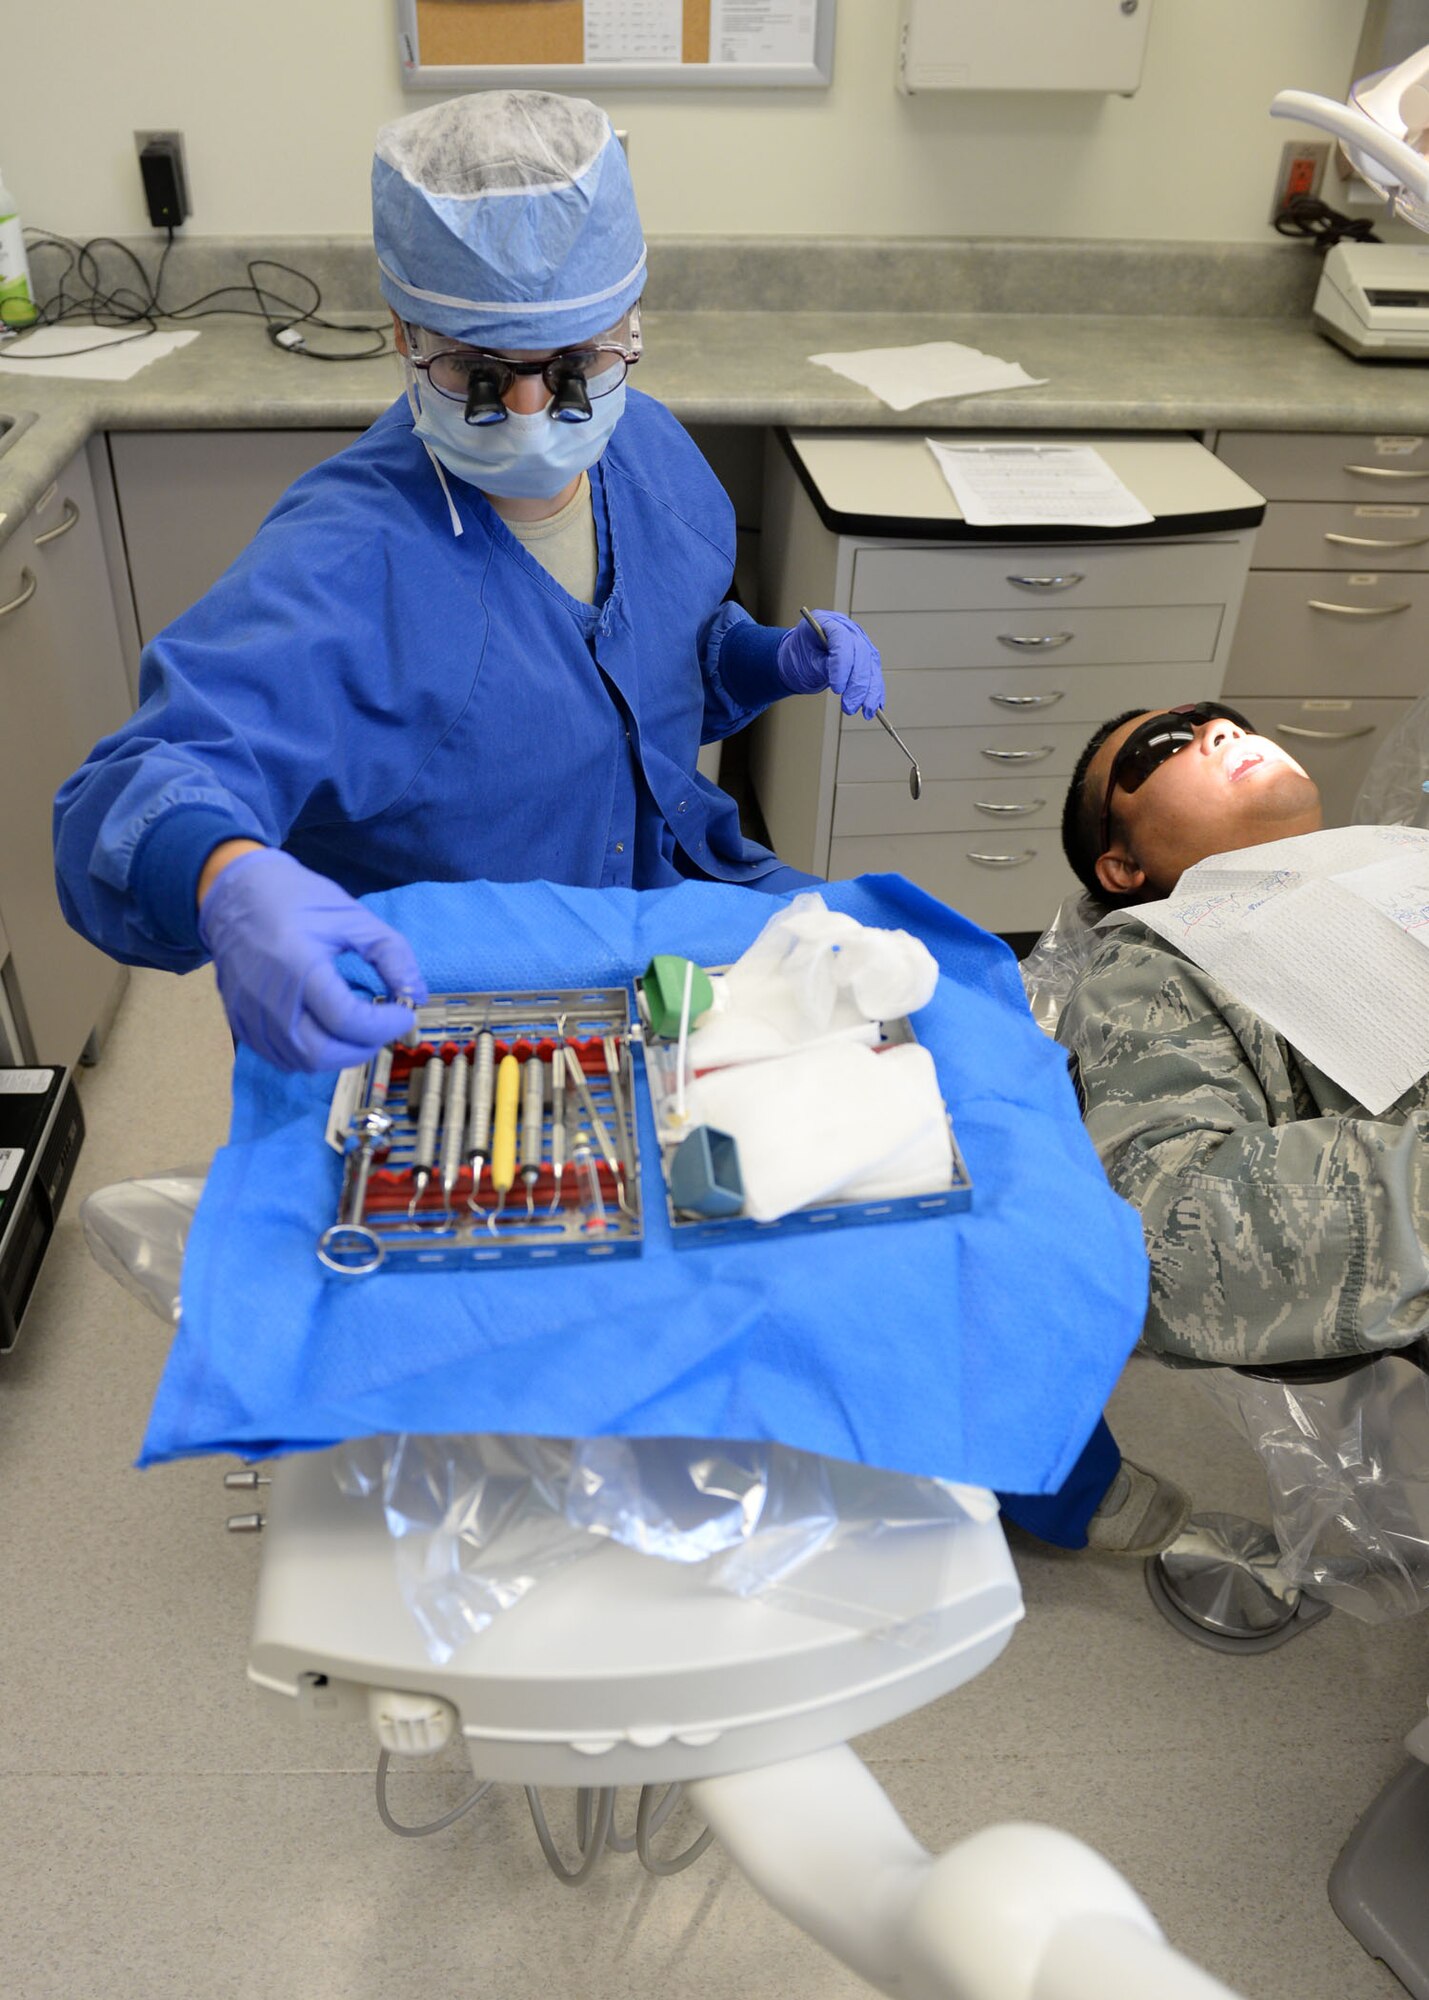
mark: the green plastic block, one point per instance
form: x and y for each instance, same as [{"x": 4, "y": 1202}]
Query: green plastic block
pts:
[{"x": 665, "y": 993}]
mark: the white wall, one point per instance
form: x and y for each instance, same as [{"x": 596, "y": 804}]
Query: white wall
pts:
[{"x": 279, "y": 99}]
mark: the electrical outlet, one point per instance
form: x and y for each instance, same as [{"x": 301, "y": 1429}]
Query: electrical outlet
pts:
[
  {"x": 1302, "y": 168},
  {"x": 169, "y": 189}
]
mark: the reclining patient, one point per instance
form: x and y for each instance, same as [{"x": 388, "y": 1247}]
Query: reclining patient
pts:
[{"x": 1283, "y": 1221}]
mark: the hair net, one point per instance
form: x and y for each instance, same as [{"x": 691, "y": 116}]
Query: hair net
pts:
[{"x": 507, "y": 220}]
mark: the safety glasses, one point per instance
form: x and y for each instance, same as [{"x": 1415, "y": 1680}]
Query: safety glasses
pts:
[
  {"x": 1154, "y": 742},
  {"x": 573, "y": 375}
]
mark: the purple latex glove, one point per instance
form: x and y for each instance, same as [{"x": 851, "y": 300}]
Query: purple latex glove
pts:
[
  {"x": 274, "y": 929},
  {"x": 849, "y": 667}
]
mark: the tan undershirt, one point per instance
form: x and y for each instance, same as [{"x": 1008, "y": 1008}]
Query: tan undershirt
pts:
[{"x": 564, "y": 544}]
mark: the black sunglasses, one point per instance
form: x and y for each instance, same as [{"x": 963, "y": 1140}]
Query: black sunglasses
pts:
[{"x": 1154, "y": 742}]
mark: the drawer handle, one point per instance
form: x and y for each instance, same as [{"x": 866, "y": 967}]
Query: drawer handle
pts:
[
  {"x": 71, "y": 515},
  {"x": 1005, "y": 811},
  {"x": 1038, "y": 642},
  {"x": 28, "y": 586},
  {"x": 1358, "y": 610},
  {"x": 1005, "y": 860},
  {"x": 1384, "y": 472},
  {"x": 1049, "y": 582},
  {"x": 1375, "y": 542},
  {"x": 1027, "y": 700},
  {"x": 1019, "y": 756},
  {"x": 1325, "y": 735}
]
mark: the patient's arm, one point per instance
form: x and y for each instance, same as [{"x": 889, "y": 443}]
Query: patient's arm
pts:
[{"x": 1282, "y": 1221}]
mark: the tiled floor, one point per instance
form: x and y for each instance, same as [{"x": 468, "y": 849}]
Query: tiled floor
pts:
[{"x": 166, "y": 1832}]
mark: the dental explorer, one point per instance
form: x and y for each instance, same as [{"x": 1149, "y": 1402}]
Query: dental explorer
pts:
[
  {"x": 533, "y": 1118},
  {"x": 558, "y": 1125},
  {"x": 429, "y": 1118},
  {"x": 503, "y": 1138},
  {"x": 483, "y": 1096},
  {"x": 915, "y": 776},
  {"x": 611, "y": 1047},
  {"x": 453, "y": 1129}
]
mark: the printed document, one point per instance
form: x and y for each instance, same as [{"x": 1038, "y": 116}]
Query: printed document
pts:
[
  {"x": 1006, "y": 485},
  {"x": 633, "y": 31},
  {"x": 1326, "y": 937}
]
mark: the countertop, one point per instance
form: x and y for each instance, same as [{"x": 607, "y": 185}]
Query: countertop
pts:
[{"x": 1114, "y": 370}]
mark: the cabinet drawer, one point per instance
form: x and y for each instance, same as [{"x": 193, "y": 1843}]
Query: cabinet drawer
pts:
[
  {"x": 949, "y": 805},
  {"x": 1002, "y": 881},
  {"x": 1335, "y": 740},
  {"x": 1307, "y": 534},
  {"x": 1336, "y": 465},
  {"x": 867, "y": 755},
  {"x": 922, "y": 640},
  {"x": 983, "y": 579},
  {"x": 1039, "y": 694},
  {"x": 1373, "y": 642}
]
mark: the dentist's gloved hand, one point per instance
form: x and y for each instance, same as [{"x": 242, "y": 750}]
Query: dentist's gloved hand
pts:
[
  {"x": 274, "y": 929},
  {"x": 850, "y": 668}
]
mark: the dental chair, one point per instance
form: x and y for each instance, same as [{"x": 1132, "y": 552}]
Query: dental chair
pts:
[{"x": 626, "y": 1669}]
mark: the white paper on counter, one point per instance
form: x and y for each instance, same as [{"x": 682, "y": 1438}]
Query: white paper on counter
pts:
[
  {"x": 762, "y": 31},
  {"x": 115, "y": 353},
  {"x": 1326, "y": 937},
  {"x": 998, "y": 485},
  {"x": 620, "y": 31},
  {"x": 903, "y": 376}
]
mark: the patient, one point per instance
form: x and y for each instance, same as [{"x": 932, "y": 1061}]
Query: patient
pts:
[{"x": 1283, "y": 1222}]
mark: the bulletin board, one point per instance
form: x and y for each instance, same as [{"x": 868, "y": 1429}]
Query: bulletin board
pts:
[{"x": 453, "y": 45}]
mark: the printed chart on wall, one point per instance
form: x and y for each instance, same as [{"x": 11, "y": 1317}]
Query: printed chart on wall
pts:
[{"x": 582, "y": 44}]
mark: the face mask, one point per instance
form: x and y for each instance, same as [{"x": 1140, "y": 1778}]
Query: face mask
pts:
[{"x": 526, "y": 457}]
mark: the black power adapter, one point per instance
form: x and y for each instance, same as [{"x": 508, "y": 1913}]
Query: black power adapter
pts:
[{"x": 161, "y": 163}]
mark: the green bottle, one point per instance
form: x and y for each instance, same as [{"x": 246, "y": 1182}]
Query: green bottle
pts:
[{"x": 17, "y": 299}]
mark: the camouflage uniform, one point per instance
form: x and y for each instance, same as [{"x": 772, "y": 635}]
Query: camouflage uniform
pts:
[{"x": 1282, "y": 1221}]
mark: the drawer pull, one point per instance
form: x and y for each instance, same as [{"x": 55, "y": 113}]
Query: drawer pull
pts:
[
  {"x": 1358, "y": 610},
  {"x": 28, "y": 586},
  {"x": 1037, "y": 642},
  {"x": 1049, "y": 582},
  {"x": 71, "y": 516},
  {"x": 1005, "y": 860},
  {"x": 1005, "y": 811},
  {"x": 1019, "y": 756},
  {"x": 1027, "y": 700},
  {"x": 1384, "y": 472},
  {"x": 1378, "y": 542},
  {"x": 1325, "y": 735}
]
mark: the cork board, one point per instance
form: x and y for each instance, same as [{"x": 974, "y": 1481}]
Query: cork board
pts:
[{"x": 584, "y": 44}]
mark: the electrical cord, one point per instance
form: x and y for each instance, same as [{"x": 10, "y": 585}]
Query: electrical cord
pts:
[
  {"x": 80, "y": 292},
  {"x": 592, "y": 1836},
  {"x": 595, "y": 1826},
  {"x": 433, "y": 1826},
  {"x": 1304, "y": 215}
]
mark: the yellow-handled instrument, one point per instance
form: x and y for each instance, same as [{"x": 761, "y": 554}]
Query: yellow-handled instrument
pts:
[{"x": 503, "y": 1136}]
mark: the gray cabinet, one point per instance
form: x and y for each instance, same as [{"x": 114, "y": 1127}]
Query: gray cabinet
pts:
[
  {"x": 1000, "y": 658},
  {"x": 63, "y": 684},
  {"x": 1333, "y": 640},
  {"x": 191, "y": 501}
]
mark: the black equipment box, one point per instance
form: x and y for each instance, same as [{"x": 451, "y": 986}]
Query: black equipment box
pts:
[{"x": 41, "y": 1131}]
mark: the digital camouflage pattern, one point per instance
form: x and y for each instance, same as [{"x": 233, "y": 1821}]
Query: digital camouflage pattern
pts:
[{"x": 1283, "y": 1222}]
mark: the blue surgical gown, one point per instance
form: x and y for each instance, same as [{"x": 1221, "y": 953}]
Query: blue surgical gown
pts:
[{"x": 391, "y": 702}]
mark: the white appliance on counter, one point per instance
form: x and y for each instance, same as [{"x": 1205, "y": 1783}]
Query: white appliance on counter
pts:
[{"x": 1373, "y": 300}]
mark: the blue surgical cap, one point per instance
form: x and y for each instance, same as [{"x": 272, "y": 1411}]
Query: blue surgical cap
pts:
[{"x": 507, "y": 220}]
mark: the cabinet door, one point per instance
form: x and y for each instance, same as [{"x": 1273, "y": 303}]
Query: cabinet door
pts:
[
  {"x": 1342, "y": 633},
  {"x": 67, "y": 556},
  {"x": 64, "y": 984},
  {"x": 1331, "y": 465},
  {"x": 1335, "y": 740},
  {"x": 191, "y": 501}
]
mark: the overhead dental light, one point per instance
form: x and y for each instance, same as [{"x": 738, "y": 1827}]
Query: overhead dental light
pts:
[{"x": 1384, "y": 129}]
